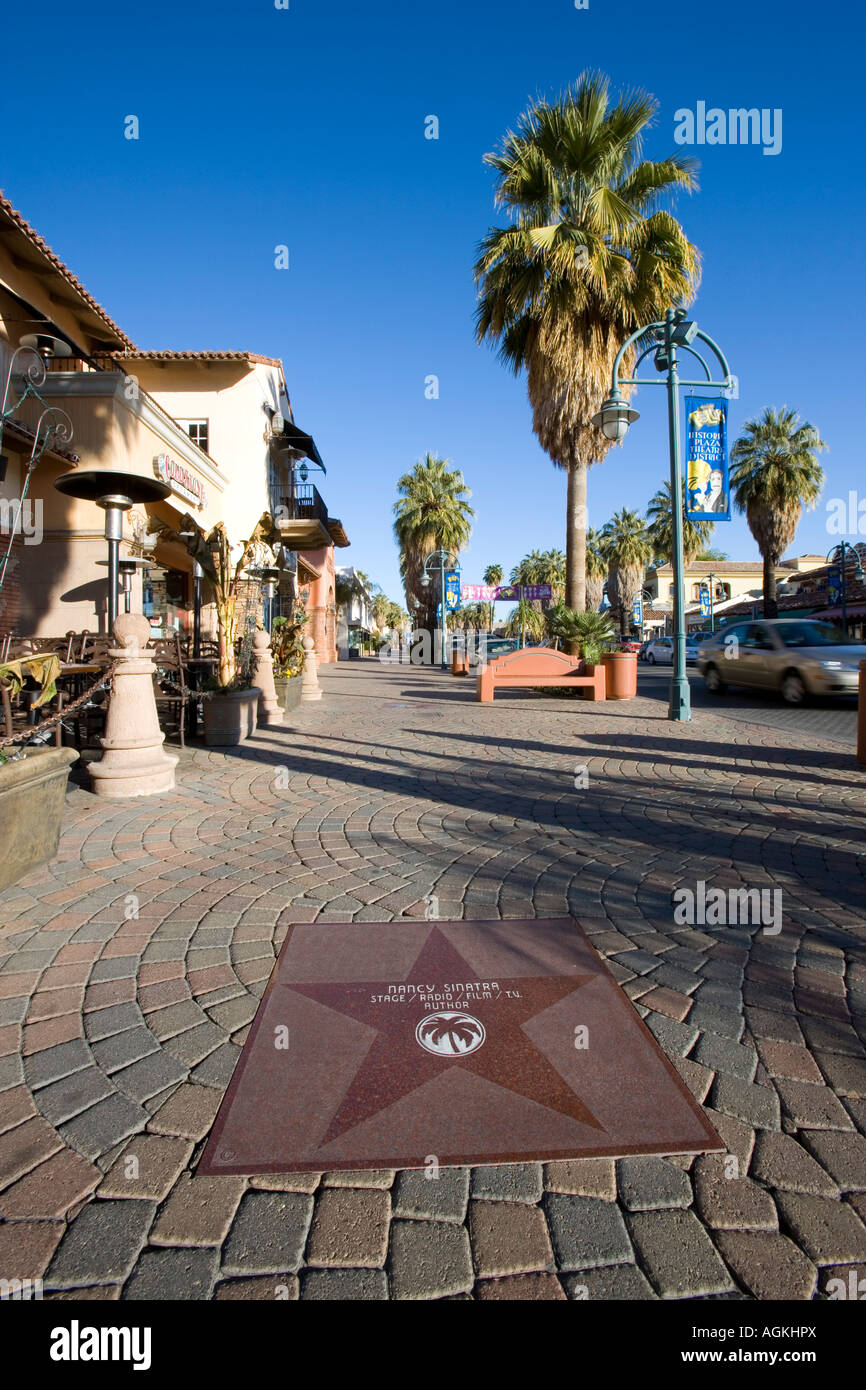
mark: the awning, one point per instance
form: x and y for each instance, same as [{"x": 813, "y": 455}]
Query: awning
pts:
[
  {"x": 307, "y": 573},
  {"x": 852, "y": 610},
  {"x": 302, "y": 443}
]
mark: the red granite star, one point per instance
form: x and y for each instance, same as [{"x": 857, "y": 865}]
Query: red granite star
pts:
[{"x": 396, "y": 1064}]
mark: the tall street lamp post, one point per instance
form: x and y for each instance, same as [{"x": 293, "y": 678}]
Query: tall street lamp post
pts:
[
  {"x": 443, "y": 557},
  {"x": 664, "y": 340}
]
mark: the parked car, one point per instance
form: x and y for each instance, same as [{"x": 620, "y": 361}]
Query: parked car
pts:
[
  {"x": 660, "y": 650},
  {"x": 644, "y": 647},
  {"x": 692, "y": 648},
  {"x": 629, "y": 644},
  {"x": 796, "y": 656}
]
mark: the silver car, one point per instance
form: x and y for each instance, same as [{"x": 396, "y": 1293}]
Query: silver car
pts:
[{"x": 796, "y": 656}]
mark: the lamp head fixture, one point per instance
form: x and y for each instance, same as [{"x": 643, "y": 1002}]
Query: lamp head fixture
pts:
[{"x": 615, "y": 416}]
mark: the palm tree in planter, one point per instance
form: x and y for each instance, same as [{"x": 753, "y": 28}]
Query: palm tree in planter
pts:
[
  {"x": 660, "y": 519},
  {"x": 589, "y": 255},
  {"x": 626, "y": 546},
  {"x": 581, "y": 634},
  {"x": 774, "y": 474},
  {"x": 432, "y": 512},
  {"x": 226, "y": 722}
]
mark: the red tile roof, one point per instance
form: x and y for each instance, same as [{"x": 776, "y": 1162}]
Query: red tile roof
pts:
[
  {"x": 217, "y": 355},
  {"x": 13, "y": 216}
]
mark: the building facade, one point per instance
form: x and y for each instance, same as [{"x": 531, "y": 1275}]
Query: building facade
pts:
[{"x": 216, "y": 427}]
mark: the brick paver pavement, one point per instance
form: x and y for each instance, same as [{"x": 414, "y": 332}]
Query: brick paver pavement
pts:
[{"x": 132, "y": 966}]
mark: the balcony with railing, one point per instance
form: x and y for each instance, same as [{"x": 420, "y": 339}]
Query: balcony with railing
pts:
[{"x": 304, "y": 521}]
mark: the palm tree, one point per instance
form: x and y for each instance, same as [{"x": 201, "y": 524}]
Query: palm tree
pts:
[
  {"x": 380, "y": 608},
  {"x": 596, "y": 572},
  {"x": 492, "y": 576},
  {"x": 525, "y": 618},
  {"x": 660, "y": 516},
  {"x": 627, "y": 548},
  {"x": 432, "y": 512},
  {"x": 774, "y": 474},
  {"x": 588, "y": 257},
  {"x": 542, "y": 567}
]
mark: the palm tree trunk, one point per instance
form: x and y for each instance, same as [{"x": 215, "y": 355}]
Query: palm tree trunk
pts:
[
  {"x": 575, "y": 539},
  {"x": 771, "y": 606}
]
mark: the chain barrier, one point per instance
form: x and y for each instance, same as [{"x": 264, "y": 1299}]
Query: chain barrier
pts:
[{"x": 37, "y": 731}]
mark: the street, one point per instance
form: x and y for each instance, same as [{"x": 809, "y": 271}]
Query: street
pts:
[{"x": 821, "y": 718}]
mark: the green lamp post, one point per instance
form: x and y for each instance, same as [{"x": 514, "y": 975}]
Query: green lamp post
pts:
[
  {"x": 443, "y": 557},
  {"x": 665, "y": 340}
]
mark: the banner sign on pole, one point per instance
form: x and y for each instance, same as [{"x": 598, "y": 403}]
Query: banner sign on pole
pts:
[
  {"x": 834, "y": 585},
  {"x": 452, "y": 589},
  {"x": 636, "y": 612},
  {"x": 708, "y": 495},
  {"x": 489, "y": 593},
  {"x": 705, "y": 603}
]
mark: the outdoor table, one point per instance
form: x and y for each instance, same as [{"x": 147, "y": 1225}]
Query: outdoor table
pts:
[{"x": 76, "y": 673}]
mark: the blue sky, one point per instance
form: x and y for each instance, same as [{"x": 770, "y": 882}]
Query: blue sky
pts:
[{"x": 305, "y": 127}]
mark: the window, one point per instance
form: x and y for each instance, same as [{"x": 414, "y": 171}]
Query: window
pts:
[
  {"x": 758, "y": 638},
  {"x": 197, "y": 431}
]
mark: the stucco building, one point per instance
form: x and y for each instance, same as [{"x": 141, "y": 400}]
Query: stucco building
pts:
[{"x": 217, "y": 427}]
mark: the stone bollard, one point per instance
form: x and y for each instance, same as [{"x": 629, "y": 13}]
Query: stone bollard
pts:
[
  {"x": 134, "y": 762},
  {"x": 270, "y": 711},
  {"x": 310, "y": 680},
  {"x": 861, "y": 716}
]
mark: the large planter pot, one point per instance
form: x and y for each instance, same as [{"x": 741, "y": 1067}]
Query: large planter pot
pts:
[
  {"x": 230, "y": 717},
  {"x": 288, "y": 690},
  {"x": 32, "y": 795},
  {"x": 620, "y": 674}
]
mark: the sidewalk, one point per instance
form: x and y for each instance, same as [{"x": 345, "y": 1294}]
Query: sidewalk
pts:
[{"x": 131, "y": 968}]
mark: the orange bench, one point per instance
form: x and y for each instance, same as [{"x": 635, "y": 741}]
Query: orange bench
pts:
[{"x": 536, "y": 666}]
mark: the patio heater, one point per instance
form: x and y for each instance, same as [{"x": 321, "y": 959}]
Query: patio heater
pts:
[
  {"x": 115, "y": 492},
  {"x": 127, "y": 566}
]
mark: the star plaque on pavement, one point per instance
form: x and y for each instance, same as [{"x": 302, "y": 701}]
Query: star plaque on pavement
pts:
[{"x": 403, "y": 1044}]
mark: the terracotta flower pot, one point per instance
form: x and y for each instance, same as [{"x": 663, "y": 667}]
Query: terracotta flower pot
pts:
[
  {"x": 620, "y": 674},
  {"x": 230, "y": 717},
  {"x": 32, "y": 797}
]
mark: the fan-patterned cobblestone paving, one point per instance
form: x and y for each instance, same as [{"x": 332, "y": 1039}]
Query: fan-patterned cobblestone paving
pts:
[{"x": 132, "y": 966}]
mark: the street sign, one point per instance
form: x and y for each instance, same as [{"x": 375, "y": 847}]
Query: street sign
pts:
[{"x": 452, "y": 589}]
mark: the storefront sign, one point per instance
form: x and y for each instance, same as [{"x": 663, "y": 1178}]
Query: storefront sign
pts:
[{"x": 181, "y": 480}]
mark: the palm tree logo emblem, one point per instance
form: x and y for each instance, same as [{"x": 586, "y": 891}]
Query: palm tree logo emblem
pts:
[{"x": 450, "y": 1034}]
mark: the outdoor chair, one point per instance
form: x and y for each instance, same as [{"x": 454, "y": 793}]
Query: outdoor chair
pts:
[{"x": 171, "y": 688}]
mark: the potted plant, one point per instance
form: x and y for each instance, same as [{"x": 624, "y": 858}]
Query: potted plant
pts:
[
  {"x": 288, "y": 653},
  {"x": 592, "y": 637},
  {"x": 32, "y": 780},
  {"x": 230, "y": 706}
]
